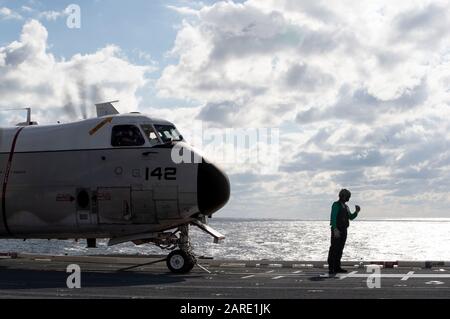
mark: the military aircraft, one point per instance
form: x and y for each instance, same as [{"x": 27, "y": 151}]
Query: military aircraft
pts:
[{"x": 108, "y": 177}]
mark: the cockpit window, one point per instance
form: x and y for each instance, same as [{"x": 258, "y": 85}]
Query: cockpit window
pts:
[
  {"x": 126, "y": 135},
  {"x": 150, "y": 134},
  {"x": 168, "y": 133}
]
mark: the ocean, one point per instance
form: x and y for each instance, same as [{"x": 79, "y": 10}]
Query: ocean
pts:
[{"x": 247, "y": 239}]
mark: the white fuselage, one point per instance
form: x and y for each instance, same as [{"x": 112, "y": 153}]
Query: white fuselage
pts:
[{"x": 68, "y": 181}]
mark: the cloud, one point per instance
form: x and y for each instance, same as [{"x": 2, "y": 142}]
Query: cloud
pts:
[
  {"x": 238, "y": 49},
  {"x": 183, "y": 10},
  {"x": 361, "y": 106},
  {"x": 65, "y": 89},
  {"x": 307, "y": 161},
  {"x": 361, "y": 96},
  {"x": 220, "y": 113},
  {"x": 32, "y": 12},
  {"x": 426, "y": 25},
  {"x": 52, "y": 15},
  {"x": 31, "y": 47},
  {"x": 8, "y": 14},
  {"x": 26, "y": 9},
  {"x": 300, "y": 76}
]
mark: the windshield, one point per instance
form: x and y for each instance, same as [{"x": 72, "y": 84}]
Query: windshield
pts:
[
  {"x": 150, "y": 134},
  {"x": 168, "y": 133},
  {"x": 126, "y": 135}
]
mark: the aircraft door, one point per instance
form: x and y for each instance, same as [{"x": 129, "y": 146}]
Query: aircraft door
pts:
[
  {"x": 144, "y": 211},
  {"x": 166, "y": 201},
  {"x": 114, "y": 205},
  {"x": 161, "y": 173}
]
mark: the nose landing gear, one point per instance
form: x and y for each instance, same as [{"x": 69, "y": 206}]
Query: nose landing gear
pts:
[{"x": 182, "y": 261}]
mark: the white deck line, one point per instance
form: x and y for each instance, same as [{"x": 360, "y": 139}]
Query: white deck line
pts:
[
  {"x": 222, "y": 262},
  {"x": 351, "y": 275},
  {"x": 407, "y": 276},
  {"x": 347, "y": 275}
]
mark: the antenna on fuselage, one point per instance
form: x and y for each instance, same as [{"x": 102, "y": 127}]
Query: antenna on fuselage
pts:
[
  {"x": 106, "y": 108},
  {"x": 28, "y": 122},
  {"x": 28, "y": 115}
]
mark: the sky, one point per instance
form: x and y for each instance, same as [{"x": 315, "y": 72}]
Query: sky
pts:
[{"x": 357, "y": 91}]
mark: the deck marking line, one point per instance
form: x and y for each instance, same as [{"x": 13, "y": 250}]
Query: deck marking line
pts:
[
  {"x": 347, "y": 275},
  {"x": 407, "y": 276}
]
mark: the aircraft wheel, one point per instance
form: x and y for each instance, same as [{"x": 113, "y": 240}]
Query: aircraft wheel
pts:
[{"x": 180, "y": 262}]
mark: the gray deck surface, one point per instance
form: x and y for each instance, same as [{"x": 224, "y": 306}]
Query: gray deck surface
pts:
[{"x": 125, "y": 277}]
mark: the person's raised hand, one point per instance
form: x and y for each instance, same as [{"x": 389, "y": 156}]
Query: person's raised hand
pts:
[{"x": 358, "y": 209}]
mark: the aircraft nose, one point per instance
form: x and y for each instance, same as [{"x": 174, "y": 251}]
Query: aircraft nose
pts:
[{"x": 213, "y": 188}]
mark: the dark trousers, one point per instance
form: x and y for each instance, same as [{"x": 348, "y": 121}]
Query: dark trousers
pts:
[{"x": 336, "y": 249}]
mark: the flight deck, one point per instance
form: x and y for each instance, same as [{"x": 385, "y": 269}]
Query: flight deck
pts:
[{"x": 37, "y": 276}]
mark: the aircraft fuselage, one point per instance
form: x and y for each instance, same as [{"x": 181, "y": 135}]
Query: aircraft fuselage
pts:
[{"x": 71, "y": 181}]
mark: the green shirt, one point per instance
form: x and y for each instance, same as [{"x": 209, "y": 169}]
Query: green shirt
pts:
[{"x": 335, "y": 211}]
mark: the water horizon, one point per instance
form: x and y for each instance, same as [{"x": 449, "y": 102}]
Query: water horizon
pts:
[
  {"x": 289, "y": 240},
  {"x": 360, "y": 219}
]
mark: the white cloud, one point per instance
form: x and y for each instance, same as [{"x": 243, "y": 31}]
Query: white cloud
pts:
[
  {"x": 52, "y": 15},
  {"x": 8, "y": 14},
  {"x": 65, "y": 89},
  {"x": 146, "y": 58},
  {"x": 361, "y": 96},
  {"x": 27, "y": 9},
  {"x": 183, "y": 10}
]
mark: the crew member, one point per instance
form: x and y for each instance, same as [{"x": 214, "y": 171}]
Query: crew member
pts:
[{"x": 340, "y": 217}]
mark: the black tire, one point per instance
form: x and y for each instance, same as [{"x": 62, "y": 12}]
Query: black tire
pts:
[{"x": 180, "y": 262}]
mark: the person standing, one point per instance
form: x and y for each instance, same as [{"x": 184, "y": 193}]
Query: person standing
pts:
[{"x": 340, "y": 221}]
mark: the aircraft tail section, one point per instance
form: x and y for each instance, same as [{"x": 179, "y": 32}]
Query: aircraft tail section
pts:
[{"x": 107, "y": 108}]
